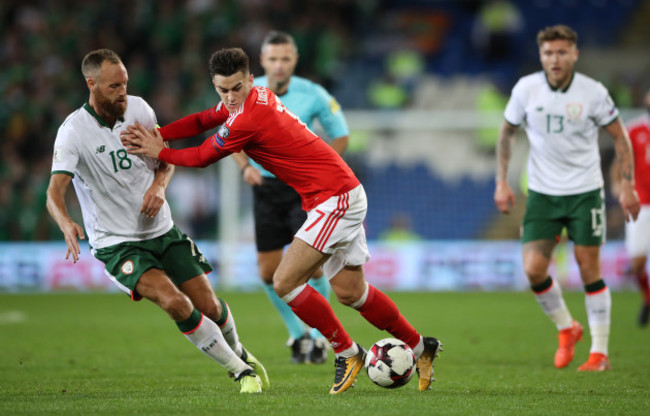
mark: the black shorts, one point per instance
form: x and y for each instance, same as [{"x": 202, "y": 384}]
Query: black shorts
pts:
[{"x": 278, "y": 214}]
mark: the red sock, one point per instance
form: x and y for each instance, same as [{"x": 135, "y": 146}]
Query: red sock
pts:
[
  {"x": 315, "y": 311},
  {"x": 642, "y": 280},
  {"x": 381, "y": 311}
]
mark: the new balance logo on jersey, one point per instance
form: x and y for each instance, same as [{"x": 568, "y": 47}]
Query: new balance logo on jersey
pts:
[
  {"x": 100, "y": 149},
  {"x": 539, "y": 109}
]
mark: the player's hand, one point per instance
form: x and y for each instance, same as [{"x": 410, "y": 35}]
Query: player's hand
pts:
[
  {"x": 252, "y": 176},
  {"x": 140, "y": 141},
  {"x": 504, "y": 197},
  {"x": 153, "y": 200},
  {"x": 629, "y": 201},
  {"x": 72, "y": 231}
]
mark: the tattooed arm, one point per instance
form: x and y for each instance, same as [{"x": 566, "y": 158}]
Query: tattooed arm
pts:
[
  {"x": 503, "y": 195},
  {"x": 627, "y": 197}
]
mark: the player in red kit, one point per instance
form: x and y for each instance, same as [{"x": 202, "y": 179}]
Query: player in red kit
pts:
[
  {"x": 254, "y": 120},
  {"x": 637, "y": 234}
]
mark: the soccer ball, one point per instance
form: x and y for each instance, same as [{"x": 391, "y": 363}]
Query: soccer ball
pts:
[{"x": 390, "y": 363}]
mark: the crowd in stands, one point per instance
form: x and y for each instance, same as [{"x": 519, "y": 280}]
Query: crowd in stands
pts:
[{"x": 368, "y": 53}]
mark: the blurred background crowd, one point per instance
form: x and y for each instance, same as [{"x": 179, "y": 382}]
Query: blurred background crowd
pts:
[{"x": 380, "y": 55}]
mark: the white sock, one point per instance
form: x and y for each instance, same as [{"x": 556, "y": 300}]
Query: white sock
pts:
[
  {"x": 229, "y": 331},
  {"x": 599, "y": 308},
  {"x": 208, "y": 338},
  {"x": 350, "y": 352},
  {"x": 419, "y": 349},
  {"x": 553, "y": 305}
]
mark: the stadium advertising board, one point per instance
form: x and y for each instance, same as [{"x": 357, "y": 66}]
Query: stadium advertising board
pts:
[{"x": 418, "y": 266}]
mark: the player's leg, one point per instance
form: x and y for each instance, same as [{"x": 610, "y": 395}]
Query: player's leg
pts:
[
  {"x": 186, "y": 266},
  {"x": 197, "y": 328},
  {"x": 548, "y": 293},
  {"x": 299, "y": 262},
  {"x": 136, "y": 268},
  {"x": 542, "y": 228},
  {"x": 277, "y": 208},
  {"x": 640, "y": 273},
  {"x": 598, "y": 302},
  {"x": 586, "y": 228},
  {"x": 200, "y": 292},
  {"x": 202, "y": 296},
  {"x": 319, "y": 347},
  {"x": 299, "y": 340},
  {"x": 637, "y": 245},
  {"x": 352, "y": 290}
]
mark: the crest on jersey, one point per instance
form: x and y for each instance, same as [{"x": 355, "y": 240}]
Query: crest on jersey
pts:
[
  {"x": 127, "y": 267},
  {"x": 335, "y": 107},
  {"x": 574, "y": 110},
  {"x": 223, "y": 132},
  {"x": 58, "y": 155}
]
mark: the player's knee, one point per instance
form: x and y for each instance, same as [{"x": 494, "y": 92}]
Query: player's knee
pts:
[
  {"x": 266, "y": 274},
  {"x": 535, "y": 272},
  {"x": 176, "y": 305},
  {"x": 210, "y": 309},
  {"x": 348, "y": 295},
  {"x": 280, "y": 286}
]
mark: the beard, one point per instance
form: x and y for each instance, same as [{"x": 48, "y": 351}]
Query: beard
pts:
[{"x": 114, "y": 109}]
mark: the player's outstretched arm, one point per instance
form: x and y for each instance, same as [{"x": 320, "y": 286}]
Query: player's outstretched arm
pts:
[
  {"x": 56, "y": 207},
  {"x": 503, "y": 195},
  {"x": 627, "y": 196}
]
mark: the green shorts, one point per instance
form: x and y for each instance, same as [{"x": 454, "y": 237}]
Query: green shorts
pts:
[
  {"x": 583, "y": 215},
  {"x": 173, "y": 252}
]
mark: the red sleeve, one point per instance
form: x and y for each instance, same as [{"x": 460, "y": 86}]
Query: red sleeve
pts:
[
  {"x": 192, "y": 125},
  {"x": 196, "y": 157}
]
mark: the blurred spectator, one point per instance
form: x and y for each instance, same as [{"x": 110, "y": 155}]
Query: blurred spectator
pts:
[
  {"x": 166, "y": 45},
  {"x": 400, "y": 229},
  {"x": 490, "y": 102},
  {"x": 498, "y": 26}
]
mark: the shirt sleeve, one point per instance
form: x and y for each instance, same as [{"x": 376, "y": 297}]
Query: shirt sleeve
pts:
[
  {"x": 515, "y": 112},
  {"x": 605, "y": 110},
  {"x": 151, "y": 121},
  {"x": 66, "y": 155},
  {"x": 193, "y": 124},
  {"x": 196, "y": 157},
  {"x": 330, "y": 115}
]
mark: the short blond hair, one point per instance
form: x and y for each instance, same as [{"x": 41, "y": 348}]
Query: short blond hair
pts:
[{"x": 557, "y": 32}]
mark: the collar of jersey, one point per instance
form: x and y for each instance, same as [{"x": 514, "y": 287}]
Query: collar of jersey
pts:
[
  {"x": 101, "y": 122},
  {"x": 565, "y": 89}
]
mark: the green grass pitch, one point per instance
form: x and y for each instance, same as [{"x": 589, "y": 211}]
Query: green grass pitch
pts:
[{"x": 102, "y": 354}]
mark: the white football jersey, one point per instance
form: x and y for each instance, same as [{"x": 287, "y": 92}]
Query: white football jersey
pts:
[
  {"x": 562, "y": 128},
  {"x": 110, "y": 184}
]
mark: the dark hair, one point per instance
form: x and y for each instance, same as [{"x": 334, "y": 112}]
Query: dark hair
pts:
[
  {"x": 229, "y": 61},
  {"x": 275, "y": 37},
  {"x": 93, "y": 61},
  {"x": 557, "y": 32}
]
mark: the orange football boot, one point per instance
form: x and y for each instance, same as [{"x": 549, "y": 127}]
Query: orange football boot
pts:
[{"x": 567, "y": 339}]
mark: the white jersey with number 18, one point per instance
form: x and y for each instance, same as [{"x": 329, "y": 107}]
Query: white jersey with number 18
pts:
[
  {"x": 562, "y": 128},
  {"x": 110, "y": 184}
]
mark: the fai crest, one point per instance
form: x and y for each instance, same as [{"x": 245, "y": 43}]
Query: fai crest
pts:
[
  {"x": 127, "y": 267},
  {"x": 574, "y": 110}
]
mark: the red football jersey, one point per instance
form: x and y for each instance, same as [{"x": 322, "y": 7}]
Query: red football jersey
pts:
[
  {"x": 273, "y": 137},
  {"x": 639, "y": 130}
]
